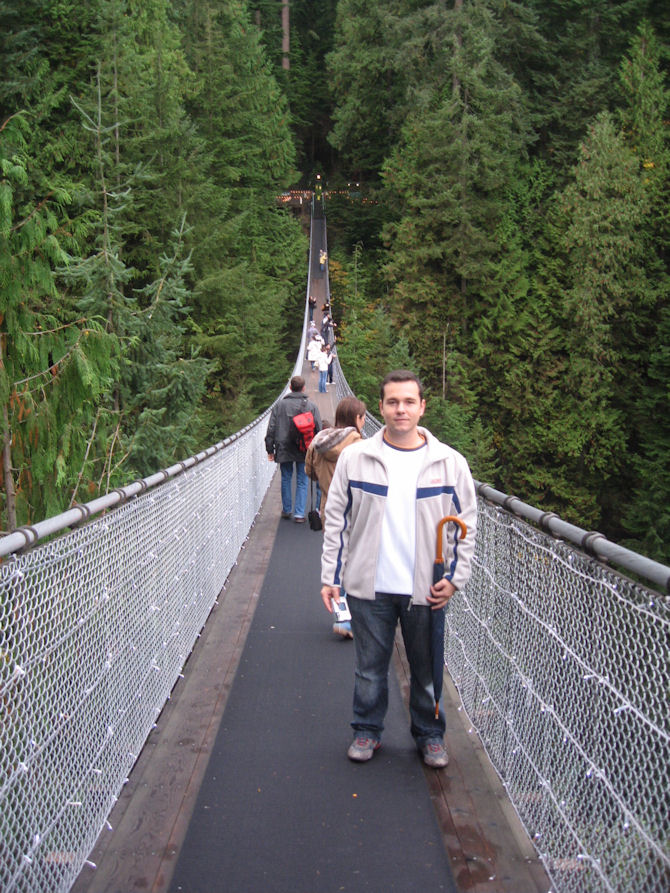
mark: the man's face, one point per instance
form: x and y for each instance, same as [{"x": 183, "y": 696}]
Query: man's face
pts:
[{"x": 401, "y": 407}]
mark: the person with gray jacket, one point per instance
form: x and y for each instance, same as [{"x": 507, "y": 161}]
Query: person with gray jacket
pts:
[
  {"x": 282, "y": 447},
  {"x": 386, "y": 498}
]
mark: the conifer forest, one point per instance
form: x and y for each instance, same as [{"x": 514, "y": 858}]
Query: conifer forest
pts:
[{"x": 497, "y": 190}]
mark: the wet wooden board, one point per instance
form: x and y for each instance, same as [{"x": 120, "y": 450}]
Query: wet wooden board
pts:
[{"x": 487, "y": 845}]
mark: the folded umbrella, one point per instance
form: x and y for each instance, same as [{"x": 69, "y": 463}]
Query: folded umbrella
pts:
[{"x": 437, "y": 615}]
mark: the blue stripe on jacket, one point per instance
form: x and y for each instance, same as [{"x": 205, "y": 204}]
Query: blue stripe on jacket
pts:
[
  {"x": 378, "y": 490},
  {"x": 382, "y": 490},
  {"x": 367, "y": 487},
  {"x": 427, "y": 493}
]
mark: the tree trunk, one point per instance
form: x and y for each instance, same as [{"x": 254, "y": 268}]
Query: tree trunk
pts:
[
  {"x": 286, "y": 35},
  {"x": 10, "y": 492}
]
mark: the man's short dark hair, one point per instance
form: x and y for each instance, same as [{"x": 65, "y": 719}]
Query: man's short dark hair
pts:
[
  {"x": 297, "y": 383},
  {"x": 400, "y": 375}
]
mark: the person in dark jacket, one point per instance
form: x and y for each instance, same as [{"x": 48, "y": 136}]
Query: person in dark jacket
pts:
[{"x": 281, "y": 446}]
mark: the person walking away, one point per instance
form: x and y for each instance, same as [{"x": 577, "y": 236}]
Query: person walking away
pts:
[
  {"x": 331, "y": 365},
  {"x": 323, "y": 454},
  {"x": 386, "y": 498},
  {"x": 323, "y": 361},
  {"x": 282, "y": 447},
  {"x": 314, "y": 349},
  {"x": 327, "y": 328}
]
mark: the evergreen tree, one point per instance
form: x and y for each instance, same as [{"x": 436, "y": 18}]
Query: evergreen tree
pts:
[
  {"x": 248, "y": 255},
  {"x": 159, "y": 384},
  {"x": 368, "y": 84},
  {"x": 450, "y": 174},
  {"x": 165, "y": 385},
  {"x": 646, "y": 330},
  {"x": 585, "y": 40},
  {"x": 587, "y": 428},
  {"x": 55, "y": 362},
  {"x": 365, "y": 330},
  {"x": 306, "y": 85}
]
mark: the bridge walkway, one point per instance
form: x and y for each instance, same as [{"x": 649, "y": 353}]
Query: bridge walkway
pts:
[{"x": 244, "y": 786}]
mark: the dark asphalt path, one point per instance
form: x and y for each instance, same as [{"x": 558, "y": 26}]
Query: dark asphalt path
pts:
[{"x": 281, "y": 809}]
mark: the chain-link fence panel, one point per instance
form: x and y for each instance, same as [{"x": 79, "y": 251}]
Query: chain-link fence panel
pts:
[
  {"x": 562, "y": 666},
  {"x": 94, "y": 630}
]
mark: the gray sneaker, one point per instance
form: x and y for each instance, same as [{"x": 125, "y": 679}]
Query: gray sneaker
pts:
[
  {"x": 434, "y": 753},
  {"x": 363, "y": 748}
]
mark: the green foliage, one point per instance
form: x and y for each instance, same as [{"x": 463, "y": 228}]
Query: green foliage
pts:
[
  {"x": 146, "y": 187},
  {"x": 449, "y": 175},
  {"x": 55, "y": 362},
  {"x": 645, "y": 329},
  {"x": 363, "y": 66},
  {"x": 525, "y": 236},
  {"x": 465, "y": 432},
  {"x": 592, "y": 35},
  {"x": 364, "y": 329},
  {"x": 509, "y": 238},
  {"x": 249, "y": 265}
]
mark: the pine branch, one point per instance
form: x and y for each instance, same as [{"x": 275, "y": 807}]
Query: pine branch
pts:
[{"x": 84, "y": 460}]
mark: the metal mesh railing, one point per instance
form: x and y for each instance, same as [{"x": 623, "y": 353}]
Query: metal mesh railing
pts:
[
  {"x": 94, "y": 630},
  {"x": 562, "y": 667}
]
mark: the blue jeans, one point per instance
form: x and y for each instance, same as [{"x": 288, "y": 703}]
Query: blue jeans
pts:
[
  {"x": 374, "y": 624},
  {"x": 287, "y": 488},
  {"x": 322, "y": 382}
]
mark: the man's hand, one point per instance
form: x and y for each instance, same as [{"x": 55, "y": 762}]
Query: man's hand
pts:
[
  {"x": 328, "y": 593},
  {"x": 440, "y": 593},
  {"x": 271, "y": 457}
]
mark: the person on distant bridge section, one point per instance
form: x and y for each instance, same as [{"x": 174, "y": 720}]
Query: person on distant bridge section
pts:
[
  {"x": 323, "y": 361},
  {"x": 323, "y": 260},
  {"x": 312, "y": 306},
  {"x": 384, "y": 503},
  {"x": 282, "y": 447},
  {"x": 332, "y": 354},
  {"x": 314, "y": 347},
  {"x": 328, "y": 328}
]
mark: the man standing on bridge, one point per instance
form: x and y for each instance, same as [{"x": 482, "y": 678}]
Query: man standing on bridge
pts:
[
  {"x": 386, "y": 498},
  {"x": 282, "y": 447}
]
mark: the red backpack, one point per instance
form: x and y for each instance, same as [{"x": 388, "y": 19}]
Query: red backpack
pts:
[{"x": 302, "y": 429}]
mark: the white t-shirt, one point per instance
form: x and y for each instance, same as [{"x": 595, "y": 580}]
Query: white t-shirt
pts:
[{"x": 397, "y": 549}]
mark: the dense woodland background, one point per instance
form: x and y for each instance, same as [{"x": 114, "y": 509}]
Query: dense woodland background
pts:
[{"x": 498, "y": 217}]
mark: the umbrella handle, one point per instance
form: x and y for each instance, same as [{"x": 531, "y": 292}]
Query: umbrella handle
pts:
[{"x": 440, "y": 528}]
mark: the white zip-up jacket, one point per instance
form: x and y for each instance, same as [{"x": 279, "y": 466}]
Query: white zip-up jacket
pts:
[{"x": 355, "y": 509}]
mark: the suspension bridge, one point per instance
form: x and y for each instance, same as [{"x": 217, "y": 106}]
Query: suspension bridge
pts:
[{"x": 174, "y": 707}]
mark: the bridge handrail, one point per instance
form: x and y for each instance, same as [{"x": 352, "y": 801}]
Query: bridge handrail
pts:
[{"x": 26, "y": 536}]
